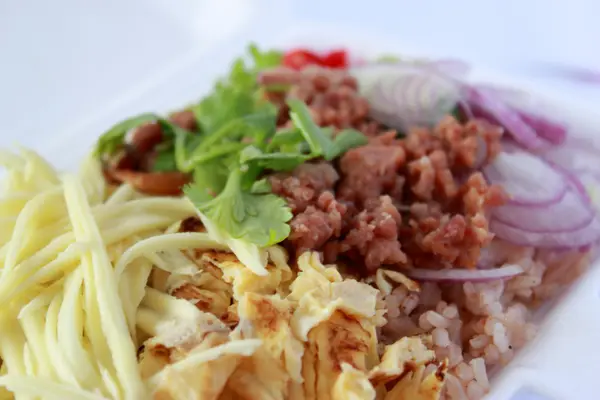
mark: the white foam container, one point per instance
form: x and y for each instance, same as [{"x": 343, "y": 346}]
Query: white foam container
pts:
[{"x": 558, "y": 364}]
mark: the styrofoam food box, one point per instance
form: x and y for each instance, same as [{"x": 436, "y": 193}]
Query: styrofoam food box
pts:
[{"x": 553, "y": 366}]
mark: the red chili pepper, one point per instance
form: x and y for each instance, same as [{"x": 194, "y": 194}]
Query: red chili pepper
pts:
[
  {"x": 335, "y": 59},
  {"x": 300, "y": 58}
]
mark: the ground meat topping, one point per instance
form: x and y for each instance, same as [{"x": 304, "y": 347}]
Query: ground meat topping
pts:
[
  {"x": 317, "y": 224},
  {"x": 331, "y": 95},
  {"x": 374, "y": 235},
  {"x": 303, "y": 187},
  {"x": 370, "y": 171},
  {"x": 445, "y": 221},
  {"x": 412, "y": 201}
]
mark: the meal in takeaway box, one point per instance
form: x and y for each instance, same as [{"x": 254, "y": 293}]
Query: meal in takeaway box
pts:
[{"x": 316, "y": 227}]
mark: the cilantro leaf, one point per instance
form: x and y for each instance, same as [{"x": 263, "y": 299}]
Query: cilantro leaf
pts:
[
  {"x": 209, "y": 180},
  {"x": 261, "y": 186},
  {"x": 319, "y": 139},
  {"x": 110, "y": 141},
  {"x": 256, "y": 218},
  {"x": 164, "y": 161},
  {"x": 290, "y": 139},
  {"x": 237, "y": 94},
  {"x": 227, "y": 103},
  {"x": 319, "y": 143},
  {"x": 346, "y": 140},
  {"x": 266, "y": 59},
  {"x": 214, "y": 152},
  {"x": 257, "y": 127},
  {"x": 273, "y": 161},
  {"x": 170, "y": 130}
]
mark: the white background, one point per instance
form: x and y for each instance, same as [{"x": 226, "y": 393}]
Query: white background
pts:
[{"x": 65, "y": 63}]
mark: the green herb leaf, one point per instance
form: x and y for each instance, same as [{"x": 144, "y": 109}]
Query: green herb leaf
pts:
[
  {"x": 346, "y": 140},
  {"x": 257, "y": 127},
  {"x": 319, "y": 143},
  {"x": 256, "y": 218},
  {"x": 225, "y": 104},
  {"x": 110, "y": 141},
  {"x": 265, "y": 59},
  {"x": 215, "y": 152},
  {"x": 238, "y": 94},
  {"x": 319, "y": 139},
  {"x": 165, "y": 161},
  {"x": 209, "y": 180},
  {"x": 261, "y": 186},
  {"x": 170, "y": 130},
  {"x": 290, "y": 139},
  {"x": 273, "y": 161}
]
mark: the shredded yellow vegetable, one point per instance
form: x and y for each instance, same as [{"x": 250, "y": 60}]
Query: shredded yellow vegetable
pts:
[{"x": 68, "y": 324}]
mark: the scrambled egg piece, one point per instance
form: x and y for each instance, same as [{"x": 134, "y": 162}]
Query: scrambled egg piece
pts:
[
  {"x": 4, "y": 393},
  {"x": 203, "y": 286},
  {"x": 399, "y": 357},
  {"x": 259, "y": 377},
  {"x": 206, "y": 291},
  {"x": 175, "y": 340},
  {"x": 352, "y": 384},
  {"x": 276, "y": 367},
  {"x": 243, "y": 279},
  {"x": 200, "y": 381},
  {"x": 205, "y": 381},
  {"x": 414, "y": 387},
  {"x": 382, "y": 276},
  {"x": 319, "y": 291},
  {"x": 339, "y": 340},
  {"x": 268, "y": 318}
]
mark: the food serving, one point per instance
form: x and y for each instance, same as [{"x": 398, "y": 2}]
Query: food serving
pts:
[{"x": 316, "y": 227}]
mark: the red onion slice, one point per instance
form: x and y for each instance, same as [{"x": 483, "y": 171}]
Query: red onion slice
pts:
[
  {"x": 489, "y": 107},
  {"x": 507, "y": 94},
  {"x": 574, "y": 182},
  {"x": 545, "y": 221},
  {"x": 463, "y": 275},
  {"x": 527, "y": 179},
  {"x": 405, "y": 95},
  {"x": 553, "y": 132},
  {"x": 379, "y": 100},
  {"x": 528, "y": 109},
  {"x": 567, "y": 239},
  {"x": 569, "y": 214}
]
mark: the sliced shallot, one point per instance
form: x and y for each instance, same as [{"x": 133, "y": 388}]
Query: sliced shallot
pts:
[
  {"x": 405, "y": 95},
  {"x": 553, "y": 132},
  {"x": 584, "y": 236},
  {"x": 484, "y": 104},
  {"x": 549, "y": 206},
  {"x": 463, "y": 275},
  {"x": 571, "y": 213},
  {"x": 525, "y": 117},
  {"x": 527, "y": 179}
]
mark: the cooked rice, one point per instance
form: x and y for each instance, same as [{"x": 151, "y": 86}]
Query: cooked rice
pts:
[{"x": 480, "y": 326}]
